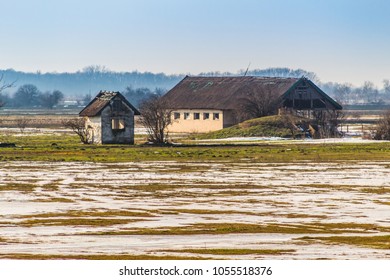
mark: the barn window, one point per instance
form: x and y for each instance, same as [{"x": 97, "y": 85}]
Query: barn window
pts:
[
  {"x": 196, "y": 116},
  {"x": 176, "y": 115},
  {"x": 186, "y": 116},
  {"x": 216, "y": 116},
  {"x": 118, "y": 124},
  {"x": 206, "y": 116}
]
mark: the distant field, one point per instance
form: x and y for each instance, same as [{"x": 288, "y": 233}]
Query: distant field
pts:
[
  {"x": 37, "y": 118},
  {"x": 39, "y": 112}
]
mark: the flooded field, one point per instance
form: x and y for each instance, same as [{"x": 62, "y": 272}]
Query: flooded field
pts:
[{"x": 224, "y": 210}]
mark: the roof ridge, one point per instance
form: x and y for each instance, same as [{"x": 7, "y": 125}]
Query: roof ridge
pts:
[
  {"x": 101, "y": 100},
  {"x": 234, "y": 76}
]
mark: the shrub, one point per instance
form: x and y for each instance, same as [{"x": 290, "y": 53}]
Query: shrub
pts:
[{"x": 382, "y": 128}]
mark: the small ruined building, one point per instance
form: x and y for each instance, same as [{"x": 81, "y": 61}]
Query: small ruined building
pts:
[
  {"x": 203, "y": 104},
  {"x": 110, "y": 117}
]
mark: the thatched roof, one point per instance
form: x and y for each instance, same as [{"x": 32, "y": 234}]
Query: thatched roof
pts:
[
  {"x": 96, "y": 106},
  {"x": 224, "y": 93}
]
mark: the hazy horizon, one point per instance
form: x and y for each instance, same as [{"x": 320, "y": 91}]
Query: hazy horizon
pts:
[{"x": 341, "y": 41}]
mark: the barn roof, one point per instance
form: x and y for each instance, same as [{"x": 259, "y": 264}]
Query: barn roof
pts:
[
  {"x": 220, "y": 93},
  {"x": 223, "y": 93},
  {"x": 336, "y": 105},
  {"x": 95, "y": 107}
]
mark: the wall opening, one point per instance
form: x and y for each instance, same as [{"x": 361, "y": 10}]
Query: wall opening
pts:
[
  {"x": 196, "y": 116},
  {"x": 176, "y": 116},
  {"x": 118, "y": 124}
]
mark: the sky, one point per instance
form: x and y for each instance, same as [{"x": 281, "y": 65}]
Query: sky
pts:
[{"x": 345, "y": 41}]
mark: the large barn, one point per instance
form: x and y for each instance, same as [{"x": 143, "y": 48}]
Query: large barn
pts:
[{"x": 202, "y": 104}]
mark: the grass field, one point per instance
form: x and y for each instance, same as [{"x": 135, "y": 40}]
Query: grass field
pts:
[{"x": 67, "y": 147}]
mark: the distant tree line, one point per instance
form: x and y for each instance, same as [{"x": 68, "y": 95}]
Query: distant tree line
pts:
[
  {"x": 269, "y": 72},
  {"x": 138, "y": 95},
  {"x": 92, "y": 79},
  {"x": 29, "y": 96},
  {"x": 3, "y": 86},
  {"x": 368, "y": 93}
]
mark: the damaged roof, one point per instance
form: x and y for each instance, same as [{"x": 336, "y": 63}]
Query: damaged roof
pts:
[
  {"x": 95, "y": 107},
  {"x": 221, "y": 93},
  {"x": 224, "y": 93}
]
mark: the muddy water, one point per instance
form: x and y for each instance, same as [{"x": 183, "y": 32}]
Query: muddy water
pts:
[{"x": 176, "y": 194}]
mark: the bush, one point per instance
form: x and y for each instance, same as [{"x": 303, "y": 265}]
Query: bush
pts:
[{"x": 382, "y": 128}]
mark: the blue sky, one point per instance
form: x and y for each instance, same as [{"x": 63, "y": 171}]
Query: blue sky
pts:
[{"x": 339, "y": 40}]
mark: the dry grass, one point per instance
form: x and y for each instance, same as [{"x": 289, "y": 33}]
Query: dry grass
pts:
[
  {"x": 376, "y": 242},
  {"x": 94, "y": 222},
  {"x": 228, "y": 251},
  {"x": 230, "y": 228},
  {"x": 92, "y": 257}
]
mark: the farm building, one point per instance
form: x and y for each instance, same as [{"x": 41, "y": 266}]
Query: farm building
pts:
[
  {"x": 110, "y": 117},
  {"x": 202, "y": 104}
]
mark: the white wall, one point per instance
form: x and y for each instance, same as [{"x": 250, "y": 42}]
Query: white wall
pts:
[
  {"x": 196, "y": 125},
  {"x": 96, "y": 124}
]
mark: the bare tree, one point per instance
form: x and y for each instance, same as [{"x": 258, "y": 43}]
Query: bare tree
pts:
[
  {"x": 258, "y": 103},
  {"x": 289, "y": 121},
  {"x": 156, "y": 117},
  {"x": 3, "y": 86},
  {"x": 22, "y": 123},
  {"x": 342, "y": 92},
  {"x": 369, "y": 92},
  {"x": 78, "y": 126},
  {"x": 327, "y": 122},
  {"x": 382, "y": 128},
  {"x": 386, "y": 88}
]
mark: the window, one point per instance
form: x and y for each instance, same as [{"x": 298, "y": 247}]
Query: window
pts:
[
  {"x": 186, "y": 116},
  {"x": 196, "y": 116},
  {"x": 206, "y": 116},
  {"x": 118, "y": 124},
  {"x": 176, "y": 115},
  {"x": 216, "y": 116}
]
